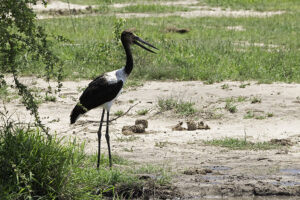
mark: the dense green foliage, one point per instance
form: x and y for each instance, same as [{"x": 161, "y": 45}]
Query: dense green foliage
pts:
[
  {"x": 21, "y": 40},
  {"x": 35, "y": 167},
  {"x": 21, "y": 43}
]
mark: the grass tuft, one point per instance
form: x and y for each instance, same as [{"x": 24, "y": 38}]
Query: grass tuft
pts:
[
  {"x": 50, "y": 98},
  {"x": 142, "y": 112},
  {"x": 230, "y": 106},
  {"x": 242, "y": 144},
  {"x": 255, "y": 100},
  {"x": 119, "y": 113},
  {"x": 154, "y": 8},
  {"x": 251, "y": 115},
  {"x": 4, "y": 94},
  {"x": 180, "y": 107}
]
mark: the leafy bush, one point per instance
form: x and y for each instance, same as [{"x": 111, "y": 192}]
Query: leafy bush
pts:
[
  {"x": 22, "y": 42},
  {"x": 33, "y": 166}
]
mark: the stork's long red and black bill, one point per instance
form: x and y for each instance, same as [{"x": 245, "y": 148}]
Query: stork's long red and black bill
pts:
[{"x": 144, "y": 42}]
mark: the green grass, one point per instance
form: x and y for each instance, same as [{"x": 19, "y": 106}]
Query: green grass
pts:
[
  {"x": 105, "y": 8},
  {"x": 97, "y": 2},
  {"x": 230, "y": 106},
  {"x": 50, "y": 98},
  {"x": 180, "y": 107},
  {"x": 241, "y": 144},
  {"x": 4, "y": 94},
  {"x": 241, "y": 98},
  {"x": 251, "y": 115},
  {"x": 119, "y": 113},
  {"x": 133, "y": 83},
  {"x": 154, "y": 8},
  {"x": 34, "y": 167},
  {"x": 127, "y": 139},
  {"x": 142, "y": 112},
  {"x": 225, "y": 86},
  {"x": 88, "y": 2},
  {"x": 256, "y": 100},
  {"x": 209, "y": 52},
  {"x": 243, "y": 85},
  {"x": 166, "y": 104},
  {"x": 163, "y": 174},
  {"x": 161, "y": 144},
  {"x": 289, "y": 5},
  {"x": 260, "y": 5}
]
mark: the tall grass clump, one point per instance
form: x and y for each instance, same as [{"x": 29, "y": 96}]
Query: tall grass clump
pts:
[{"x": 33, "y": 166}]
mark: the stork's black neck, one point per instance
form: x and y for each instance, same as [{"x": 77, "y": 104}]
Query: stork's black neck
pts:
[{"x": 129, "y": 59}]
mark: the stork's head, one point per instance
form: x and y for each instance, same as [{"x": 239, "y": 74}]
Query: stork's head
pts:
[{"x": 130, "y": 38}]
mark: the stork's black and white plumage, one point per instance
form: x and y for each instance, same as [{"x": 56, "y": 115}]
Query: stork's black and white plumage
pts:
[{"x": 103, "y": 90}]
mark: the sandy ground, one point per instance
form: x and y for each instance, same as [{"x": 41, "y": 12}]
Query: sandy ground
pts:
[
  {"x": 197, "y": 11},
  {"x": 200, "y": 170}
]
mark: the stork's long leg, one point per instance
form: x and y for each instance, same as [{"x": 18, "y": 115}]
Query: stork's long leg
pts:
[
  {"x": 99, "y": 139},
  {"x": 107, "y": 139}
]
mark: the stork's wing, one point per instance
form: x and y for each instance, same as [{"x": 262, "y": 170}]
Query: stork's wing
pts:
[{"x": 99, "y": 91}]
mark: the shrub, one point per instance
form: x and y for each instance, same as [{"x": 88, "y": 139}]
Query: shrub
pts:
[{"x": 33, "y": 166}]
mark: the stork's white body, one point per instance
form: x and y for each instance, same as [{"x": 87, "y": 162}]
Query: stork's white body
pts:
[{"x": 113, "y": 77}]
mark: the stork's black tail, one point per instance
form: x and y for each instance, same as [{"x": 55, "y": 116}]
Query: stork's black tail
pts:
[{"x": 77, "y": 110}]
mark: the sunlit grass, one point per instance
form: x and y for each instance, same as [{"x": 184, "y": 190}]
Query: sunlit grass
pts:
[
  {"x": 209, "y": 52},
  {"x": 151, "y": 8},
  {"x": 289, "y": 5},
  {"x": 241, "y": 144},
  {"x": 34, "y": 166}
]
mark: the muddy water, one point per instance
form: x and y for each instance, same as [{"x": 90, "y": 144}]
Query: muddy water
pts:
[
  {"x": 249, "y": 198},
  {"x": 291, "y": 171}
]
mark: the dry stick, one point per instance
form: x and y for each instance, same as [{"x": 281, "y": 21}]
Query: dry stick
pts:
[
  {"x": 124, "y": 113},
  {"x": 96, "y": 121},
  {"x": 85, "y": 125}
]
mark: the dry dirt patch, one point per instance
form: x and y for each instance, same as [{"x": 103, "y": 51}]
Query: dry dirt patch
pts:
[
  {"x": 57, "y": 5},
  {"x": 234, "y": 172}
]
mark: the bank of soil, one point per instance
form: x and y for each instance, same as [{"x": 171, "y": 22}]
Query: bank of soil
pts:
[{"x": 199, "y": 169}]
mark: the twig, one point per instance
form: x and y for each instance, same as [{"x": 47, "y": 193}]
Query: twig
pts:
[
  {"x": 94, "y": 121},
  {"x": 124, "y": 113},
  {"x": 116, "y": 117}
]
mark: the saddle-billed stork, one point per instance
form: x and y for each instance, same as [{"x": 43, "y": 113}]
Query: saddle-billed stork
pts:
[{"x": 104, "y": 89}]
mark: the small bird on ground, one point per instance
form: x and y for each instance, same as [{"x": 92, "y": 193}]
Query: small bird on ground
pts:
[{"x": 104, "y": 89}]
